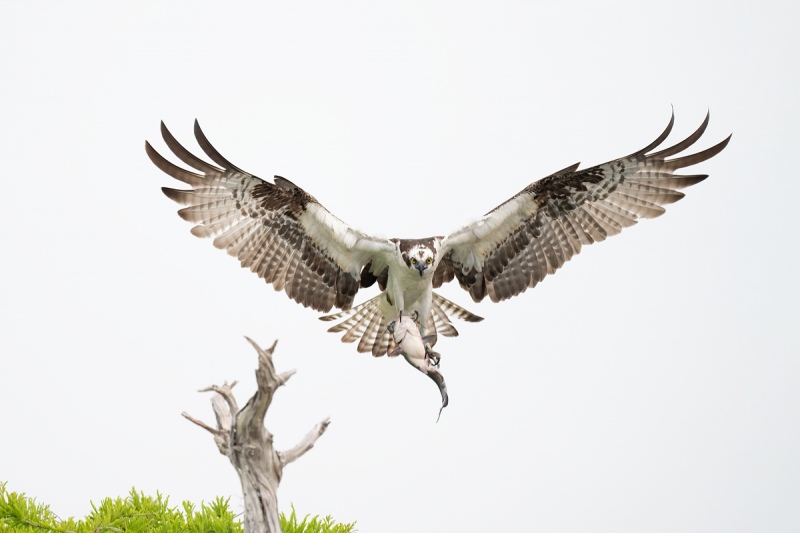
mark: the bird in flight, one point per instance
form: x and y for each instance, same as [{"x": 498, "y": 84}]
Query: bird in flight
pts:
[{"x": 284, "y": 235}]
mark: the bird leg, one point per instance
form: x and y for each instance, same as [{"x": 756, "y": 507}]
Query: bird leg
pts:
[{"x": 433, "y": 357}]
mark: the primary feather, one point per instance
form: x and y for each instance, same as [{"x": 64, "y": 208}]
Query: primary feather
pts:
[{"x": 517, "y": 244}]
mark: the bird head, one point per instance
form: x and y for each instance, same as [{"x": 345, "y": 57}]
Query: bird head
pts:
[{"x": 419, "y": 255}]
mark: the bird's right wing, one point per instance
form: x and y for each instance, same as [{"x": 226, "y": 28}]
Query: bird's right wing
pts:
[{"x": 277, "y": 230}]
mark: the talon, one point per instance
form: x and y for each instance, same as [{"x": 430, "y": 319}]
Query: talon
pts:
[
  {"x": 433, "y": 357},
  {"x": 390, "y": 327},
  {"x": 415, "y": 316}
]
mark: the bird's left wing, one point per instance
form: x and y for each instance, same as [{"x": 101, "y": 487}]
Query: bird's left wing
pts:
[
  {"x": 516, "y": 245},
  {"x": 277, "y": 230}
]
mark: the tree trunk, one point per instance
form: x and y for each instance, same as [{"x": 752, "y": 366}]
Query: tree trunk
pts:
[{"x": 241, "y": 436}]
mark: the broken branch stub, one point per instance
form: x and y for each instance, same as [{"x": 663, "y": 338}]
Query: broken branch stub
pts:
[{"x": 242, "y": 437}]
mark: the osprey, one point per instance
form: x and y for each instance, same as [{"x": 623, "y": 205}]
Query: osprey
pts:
[{"x": 284, "y": 235}]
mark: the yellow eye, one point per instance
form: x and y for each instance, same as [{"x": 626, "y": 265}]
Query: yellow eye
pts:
[
  {"x": 413, "y": 260},
  {"x": 429, "y": 260}
]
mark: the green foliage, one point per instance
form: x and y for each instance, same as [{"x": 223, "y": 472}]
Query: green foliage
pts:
[
  {"x": 315, "y": 525},
  {"x": 134, "y": 514},
  {"x": 139, "y": 513}
]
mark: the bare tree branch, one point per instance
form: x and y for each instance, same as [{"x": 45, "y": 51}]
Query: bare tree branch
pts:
[
  {"x": 241, "y": 436},
  {"x": 227, "y": 394},
  {"x": 292, "y": 454},
  {"x": 200, "y": 423}
]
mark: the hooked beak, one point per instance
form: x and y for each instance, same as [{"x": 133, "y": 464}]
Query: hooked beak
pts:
[{"x": 421, "y": 266}]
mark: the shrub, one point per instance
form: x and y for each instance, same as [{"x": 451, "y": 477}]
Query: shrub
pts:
[{"x": 138, "y": 513}]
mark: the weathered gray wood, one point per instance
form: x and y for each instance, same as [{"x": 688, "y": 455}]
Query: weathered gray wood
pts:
[{"x": 241, "y": 436}]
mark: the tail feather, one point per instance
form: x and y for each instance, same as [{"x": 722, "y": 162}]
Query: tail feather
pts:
[
  {"x": 369, "y": 340},
  {"x": 342, "y": 314},
  {"x": 454, "y": 309},
  {"x": 357, "y": 324},
  {"x": 440, "y": 323},
  {"x": 365, "y": 323},
  {"x": 356, "y": 314}
]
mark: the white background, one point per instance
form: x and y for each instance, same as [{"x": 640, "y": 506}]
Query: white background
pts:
[{"x": 653, "y": 384}]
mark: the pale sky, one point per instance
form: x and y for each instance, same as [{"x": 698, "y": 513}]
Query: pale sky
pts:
[{"x": 653, "y": 384}]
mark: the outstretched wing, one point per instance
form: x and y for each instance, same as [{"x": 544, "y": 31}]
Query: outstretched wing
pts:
[
  {"x": 516, "y": 245},
  {"x": 277, "y": 230}
]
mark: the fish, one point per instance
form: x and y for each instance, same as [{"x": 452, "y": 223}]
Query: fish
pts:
[{"x": 417, "y": 351}]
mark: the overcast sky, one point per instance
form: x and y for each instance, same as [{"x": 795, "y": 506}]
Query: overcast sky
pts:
[{"x": 653, "y": 384}]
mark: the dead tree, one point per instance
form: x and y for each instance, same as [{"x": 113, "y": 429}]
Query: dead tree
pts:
[{"x": 241, "y": 436}]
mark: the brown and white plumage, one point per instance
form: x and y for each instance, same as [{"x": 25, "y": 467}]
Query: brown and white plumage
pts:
[
  {"x": 517, "y": 244},
  {"x": 364, "y": 324},
  {"x": 277, "y": 230},
  {"x": 289, "y": 239},
  {"x": 284, "y": 235}
]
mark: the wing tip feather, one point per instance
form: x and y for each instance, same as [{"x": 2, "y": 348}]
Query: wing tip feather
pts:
[
  {"x": 173, "y": 194},
  {"x": 201, "y": 231}
]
